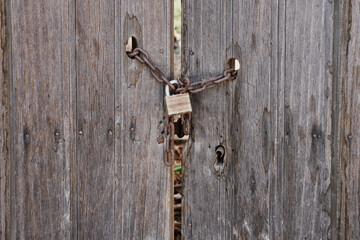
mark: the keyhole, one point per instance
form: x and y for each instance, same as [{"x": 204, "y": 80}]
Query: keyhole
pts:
[{"x": 219, "y": 159}]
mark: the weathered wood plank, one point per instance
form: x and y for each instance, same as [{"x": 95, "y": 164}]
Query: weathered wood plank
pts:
[
  {"x": 42, "y": 104},
  {"x": 95, "y": 68},
  {"x": 339, "y": 68},
  {"x": 5, "y": 133},
  {"x": 206, "y": 45},
  {"x": 253, "y": 123},
  {"x": 350, "y": 164},
  {"x": 305, "y": 80},
  {"x": 144, "y": 184}
]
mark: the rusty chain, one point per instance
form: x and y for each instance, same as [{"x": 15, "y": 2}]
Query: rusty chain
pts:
[
  {"x": 170, "y": 135},
  {"x": 184, "y": 85},
  {"x": 170, "y": 141}
]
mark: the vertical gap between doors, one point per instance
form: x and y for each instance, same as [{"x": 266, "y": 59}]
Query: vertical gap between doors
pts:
[{"x": 178, "y": 168}]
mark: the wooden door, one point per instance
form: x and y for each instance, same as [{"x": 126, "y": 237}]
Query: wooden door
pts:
[
  {"x": 79, "y": 155},
  {"x": 287, "y": 123}
]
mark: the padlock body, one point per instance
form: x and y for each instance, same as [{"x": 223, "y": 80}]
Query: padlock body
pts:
[{"x": 178, "y": 104}]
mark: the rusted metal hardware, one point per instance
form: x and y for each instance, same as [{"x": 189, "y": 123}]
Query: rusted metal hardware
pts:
[
  {"x": 170, "y": 141},
  {"x": 178, "y": 108},
  {"x": 184, "y": 83},
  {"x": 143, "y": 57},
  {"x": 180, "y": 86}
]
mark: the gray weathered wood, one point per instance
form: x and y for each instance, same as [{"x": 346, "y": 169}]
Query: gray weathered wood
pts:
[
  {"x": 207, "y": 44},
  {"x": 274, "y": 122},
  {"x": 303, "y": 105},
  {"x": 349, "y": 78},
  {"x": 5, "y": 133},
  {"x": 95, "y": 67},
  {"x": 79, "y": 157},
  {"x": 42, "y": 104},
  {"x": 123, "y": 184},
  {"x": 339, "y": 68},
  {"x": 82, "y": 160},
  {"x": 253, "y": 129},
  {"x": 143, "y": 197}
]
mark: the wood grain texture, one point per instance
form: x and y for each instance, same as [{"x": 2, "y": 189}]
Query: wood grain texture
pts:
[
  {"x": 253, "y": 122},
  {"x": 304, "y": 110},
  {"x": 5, "y": 133},
  {"x": 289, "y": 122},
  {"x": 143, "y": 197},
  {"x": 339, "y": 224},
  {"x": 206, "y": 38},
  {"x": 95, "y": 68},
  {"x": 274, "y": 122},
  {"x": 71, "y": 75},
  {"x": 350, "y": 79},
  {"x": 42, "y": 104}
]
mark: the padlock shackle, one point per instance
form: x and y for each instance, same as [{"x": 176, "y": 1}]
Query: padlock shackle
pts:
[{"x": 167, "y": 89}]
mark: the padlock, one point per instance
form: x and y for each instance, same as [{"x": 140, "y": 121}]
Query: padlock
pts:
[{"x": 177, "y": 104}]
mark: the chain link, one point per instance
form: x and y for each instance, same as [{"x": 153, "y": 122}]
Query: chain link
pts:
[
  {"x": 184, "y": 85},
  {"x": 170, "y": 141}
]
